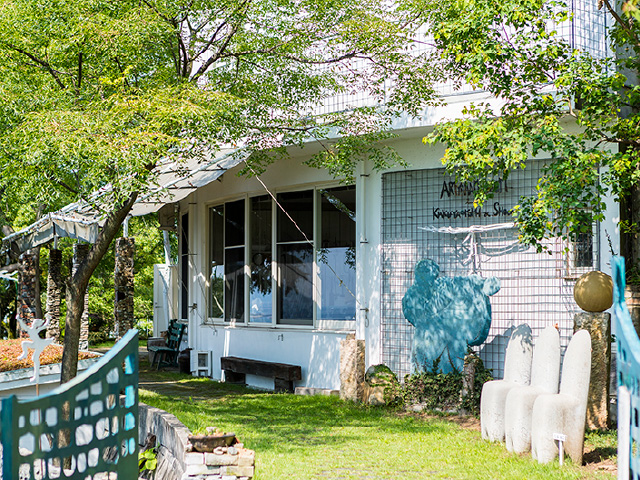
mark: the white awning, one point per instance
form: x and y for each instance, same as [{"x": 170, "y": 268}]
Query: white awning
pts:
[
  {"x": 51, "y": 226},
  {"x": 80, "y": 220}
]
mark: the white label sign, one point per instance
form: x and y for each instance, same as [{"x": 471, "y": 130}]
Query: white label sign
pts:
[{"x": 560, "y": 436}]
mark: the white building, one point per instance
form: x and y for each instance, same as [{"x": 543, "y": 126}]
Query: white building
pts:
[{"x": 283, "y": 267}]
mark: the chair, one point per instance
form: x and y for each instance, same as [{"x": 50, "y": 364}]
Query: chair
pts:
[
  {"x": 517, "y": 372},
  {"x": 545, "y": 377},
  {"x": 168, "y": 355},
  {"x": 565, "y": 412}
]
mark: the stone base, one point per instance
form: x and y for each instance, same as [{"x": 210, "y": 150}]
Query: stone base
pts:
[
  {"x": 599, "y": 327},
  {"x": 316, "y": 391},
  {"x": 352, "y": 369}
]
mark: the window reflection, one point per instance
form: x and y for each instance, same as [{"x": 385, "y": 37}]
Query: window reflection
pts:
[
  {"x": 260, "y": 257},
  {"x": 337, "y": 254}
]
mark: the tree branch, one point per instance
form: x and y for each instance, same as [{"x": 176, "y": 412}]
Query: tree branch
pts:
[
  {"x": 40, "y": 62},
  {"x": 624, "y": 25}
]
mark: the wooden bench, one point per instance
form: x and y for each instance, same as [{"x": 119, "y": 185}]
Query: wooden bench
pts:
[
  {"x": 236, "y": 369},
  {"x": 168, "y": 354}
]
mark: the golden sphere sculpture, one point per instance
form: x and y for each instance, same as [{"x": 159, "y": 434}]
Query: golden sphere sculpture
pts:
[{"x": 593, "y": 292}]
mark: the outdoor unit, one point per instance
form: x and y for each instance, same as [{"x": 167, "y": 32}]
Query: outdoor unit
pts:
[{"x": 201, "y": 363}]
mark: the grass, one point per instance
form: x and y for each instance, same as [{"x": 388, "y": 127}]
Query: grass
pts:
[
  {"x": 142, "y": 342},
  {"x": 298, "y": 437}
]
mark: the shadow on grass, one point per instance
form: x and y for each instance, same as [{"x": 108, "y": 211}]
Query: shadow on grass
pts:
[{"x": 267, "y": 418}]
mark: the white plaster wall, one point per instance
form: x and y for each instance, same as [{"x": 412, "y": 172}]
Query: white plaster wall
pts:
[{"x": 317, "y": 352}]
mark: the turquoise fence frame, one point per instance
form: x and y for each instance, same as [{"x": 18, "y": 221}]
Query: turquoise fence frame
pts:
[
  {"x": 628, "y": 374},
  {"x": 99, "y": 435}
]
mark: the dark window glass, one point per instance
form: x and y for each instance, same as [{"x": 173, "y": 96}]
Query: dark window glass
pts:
[
  {"x": 216, "y": 249},
  {"x": 299, "y": 206},
  {"x": 260, "y": 258},
  {"x": 184, "y": 267},
  {"x": 295, "y": 295},
  {"x": 337, "y": 254},
  {"x": 583, "y": 250},
  {"x": 234, "y": 224},
  {"x": 234, "y": 284}
]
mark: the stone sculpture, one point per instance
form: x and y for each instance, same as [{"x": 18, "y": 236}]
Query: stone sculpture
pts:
[
  {"x": 565, "y": 412},
  {"x": 517, "y": 372},
  {"x": 449, "y": 314},
  {"x": 545, "y": 377}
]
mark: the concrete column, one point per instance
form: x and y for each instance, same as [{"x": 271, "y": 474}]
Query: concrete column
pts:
[
  {"x": 599, "y": 326},
  {"x": 26, "y": 290},
  {"x": 123, "y": 280},
  {"x": 352, "y": 369},
  {"x": 54, "y": 293},
  {"x": 80, "y": 251}
]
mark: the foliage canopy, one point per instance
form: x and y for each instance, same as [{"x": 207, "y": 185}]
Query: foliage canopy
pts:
[{"x": 555, "y": 102}]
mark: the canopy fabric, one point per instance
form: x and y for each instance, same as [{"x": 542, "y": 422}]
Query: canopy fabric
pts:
[
  {"x": 81, "y": 221},
  {"x": 49, "y": 227}
]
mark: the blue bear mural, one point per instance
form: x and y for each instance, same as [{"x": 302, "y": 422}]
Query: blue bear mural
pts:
[{"x": 448, "y": 313}]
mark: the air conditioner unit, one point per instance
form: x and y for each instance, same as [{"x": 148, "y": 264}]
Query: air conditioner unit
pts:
[{"x": 201, "y": 362}]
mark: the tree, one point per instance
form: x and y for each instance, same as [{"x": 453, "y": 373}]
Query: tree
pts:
[
  {"x": 557, "y": 101},
  {"x": 96, "y": 93}
]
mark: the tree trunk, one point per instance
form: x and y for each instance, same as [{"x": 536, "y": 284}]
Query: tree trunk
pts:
[{"x": 77, "y": 287}]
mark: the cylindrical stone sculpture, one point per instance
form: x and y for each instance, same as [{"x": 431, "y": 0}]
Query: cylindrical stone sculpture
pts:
[
  {"x": 599, "y": 327},
  {"x": 352, "y": 369},
  {"x": 123, "y": 280},
  {"x": 54, "y": 293},
  {"x": 26, "y": 290},
  {"x": 80, "y": 251}
]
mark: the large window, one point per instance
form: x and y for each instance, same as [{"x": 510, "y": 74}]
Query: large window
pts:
[{"x": 300, "y": 255}]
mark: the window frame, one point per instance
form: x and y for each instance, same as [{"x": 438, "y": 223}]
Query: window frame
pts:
[{"x": 316, "y": 323}]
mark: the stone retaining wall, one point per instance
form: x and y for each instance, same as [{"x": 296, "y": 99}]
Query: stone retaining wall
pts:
[{"x": 174, "y": 463}]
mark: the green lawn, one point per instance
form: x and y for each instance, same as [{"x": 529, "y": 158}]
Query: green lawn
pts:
[{"x": 298, "y": 437}]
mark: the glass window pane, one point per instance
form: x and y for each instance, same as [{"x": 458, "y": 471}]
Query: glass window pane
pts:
[
  {"x": 234, "y": 284},
  {"x": 260, "y": 290},
  {"x": 216, "y": 258},
  {"x": 234, "y": 225},
  {"x": 295, "y": 295},
  {"x": 299, "y": 206},
  {"x": 216, "y": 234},
  {"x": 337, "y": 254},
  {"x": 216, "y": 299}
]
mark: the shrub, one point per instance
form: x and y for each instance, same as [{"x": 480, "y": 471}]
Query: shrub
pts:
[{"x": 439, "y": 391}]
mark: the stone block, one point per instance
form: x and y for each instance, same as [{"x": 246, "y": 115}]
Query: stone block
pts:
[
  {"x": 202, "y": 470},
  {"x": 599, "y": 327},
  {"x": 238, "y": 471},
  {"x": 246, "y": 458},
  {"x": 376, "y": 395},
  {"x": 194, "y": 458},
  {"x": 219, "y": 460},
  {"x": 352, "y": 369}
]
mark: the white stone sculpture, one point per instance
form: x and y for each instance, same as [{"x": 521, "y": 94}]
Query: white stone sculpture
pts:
[
  {"x": 38, "y": 344},
  {"x": 564, "y": 413},
  {"x": 545, "y": 377},
  {"x": 517, "y": 372}
]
